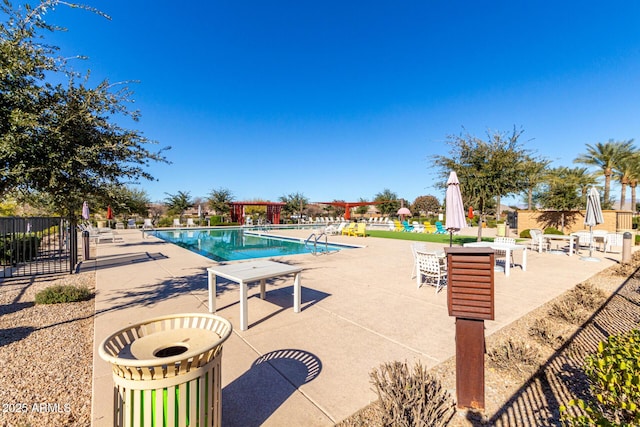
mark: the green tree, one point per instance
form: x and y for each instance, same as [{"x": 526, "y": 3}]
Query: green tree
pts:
[
  {"x": 390, "y": 203},
  {"x": 219, "y": 200},
  {"x": 295, "y": 204},
  {"x": 562, "y": 190},
  {"x": 427, "y": 204},
  {"x": 606, "y": 156},
  {"x": 178, "y": 203},
  {"x": 486, "y": 169},
  {"x": 132, "y": 201},
  {"x": 534, "y": 171},
  {"x": 61, "y": 140},
  {"x": 362, "y": 210}
]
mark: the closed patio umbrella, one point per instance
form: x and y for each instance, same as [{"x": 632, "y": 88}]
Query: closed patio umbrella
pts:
[
  {"x": 85, "y": 210},
  {"x": 455, "y": 218},
  {"x": 109, "y": 214},
  {"x": 592, "y": 217}
]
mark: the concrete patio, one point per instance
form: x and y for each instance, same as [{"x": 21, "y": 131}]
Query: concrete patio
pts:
[{"x": 360, "y": 308}]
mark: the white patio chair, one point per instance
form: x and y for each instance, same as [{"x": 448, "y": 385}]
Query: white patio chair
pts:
[
  {"x": 537, "y": 241},
  {"x": 190, "y": 222},
  {"x": 433, "y": 268},
  {"x": 148, "y": 225},
  {"x": 583, "y": 239},
  {"x": 415, "y": 247},
  {"x": 176, "y": 222},
  {"x": 131, "y": 223},
  {"x": 613, "y": 239},
  {"x": 600, "y": 237},
  {"x": 502, "y": 254}
]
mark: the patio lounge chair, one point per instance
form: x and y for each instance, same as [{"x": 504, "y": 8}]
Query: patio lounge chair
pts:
[
  {"x": 333, "y": 229},
  {"x": 176, "y": 222},
  {"x": 190, "y": 222},
  {"x": 346, "y": 231},
  {"x": 406, "y": 226},
  {"x": 429, "y": 228},
  {"x": 433, "y": 267},
  {"x": 148, "y": 225},
  {"x": 440, "y": 228},
  {"x": 360, "y": 230}
]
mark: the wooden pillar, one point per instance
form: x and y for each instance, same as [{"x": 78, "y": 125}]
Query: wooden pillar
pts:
[{"x": 470, "y": 298}]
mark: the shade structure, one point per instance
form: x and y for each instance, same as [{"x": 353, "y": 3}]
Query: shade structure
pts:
[
  {"x": 592, "y": 218},
  {"x": 85, "y": 210},
  {"x": 455, "y": 215}
]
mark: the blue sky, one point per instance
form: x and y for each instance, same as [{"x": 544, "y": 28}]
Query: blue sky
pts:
[{"x": 343, "y": 99}]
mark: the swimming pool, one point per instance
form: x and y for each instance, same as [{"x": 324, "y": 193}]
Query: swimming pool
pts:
[{"x": 232, "y": 244}]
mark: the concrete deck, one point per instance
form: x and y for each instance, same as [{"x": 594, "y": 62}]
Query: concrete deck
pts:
[{"x": 360, "y": 308}]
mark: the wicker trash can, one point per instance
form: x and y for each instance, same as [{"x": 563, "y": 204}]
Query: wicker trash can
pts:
[{"x": 166, "y": 370}]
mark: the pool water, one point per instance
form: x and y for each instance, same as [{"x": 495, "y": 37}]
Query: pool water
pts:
[{"x": 232, "y": 244}]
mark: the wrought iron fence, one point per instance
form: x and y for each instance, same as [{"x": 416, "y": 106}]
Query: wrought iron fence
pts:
[{"x": 37, "y": 245}]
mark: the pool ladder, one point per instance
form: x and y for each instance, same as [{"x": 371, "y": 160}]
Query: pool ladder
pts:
[{"x": 313, "y": 239}]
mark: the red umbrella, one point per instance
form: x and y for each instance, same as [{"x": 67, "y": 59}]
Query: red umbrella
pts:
[
  {"x": 109, "y": 212},
  {"x": 470, "y": 212}
]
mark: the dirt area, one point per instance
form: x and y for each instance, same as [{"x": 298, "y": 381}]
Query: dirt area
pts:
[{"x": 46, "y": 352}]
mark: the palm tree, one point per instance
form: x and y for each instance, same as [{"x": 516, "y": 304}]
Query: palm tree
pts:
[
  {"x": 625, "y": 172},
  {"x": 219, "y": 200},
  {"x": 606, "y": 157},
  {"x": 178, "y": 203}
]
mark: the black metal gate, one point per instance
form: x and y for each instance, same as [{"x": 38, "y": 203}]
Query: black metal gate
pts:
[{"x": 37, "y": 245}]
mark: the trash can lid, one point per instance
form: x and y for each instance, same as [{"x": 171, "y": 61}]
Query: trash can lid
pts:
[
  {"x": 171, "y": 342},
  {"x": 165, "y": 340}
]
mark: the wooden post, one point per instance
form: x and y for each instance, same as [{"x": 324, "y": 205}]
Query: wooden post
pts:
[{"x": 470, "y": 298}]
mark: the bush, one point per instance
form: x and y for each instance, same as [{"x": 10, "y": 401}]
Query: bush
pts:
[
  {"x": 411, "y": 398},
  {"x": 525, "y": 234},
  {"x": 569, "y": 310},
  {"x": 546, "y": 332},
  {"x": 552, "y": 230},
  {"x": 60, "y": 294},
  {"x": 516, "y": 354},
  {"x": 614, "y": 374},
  {"x": 15, "y": 248}
]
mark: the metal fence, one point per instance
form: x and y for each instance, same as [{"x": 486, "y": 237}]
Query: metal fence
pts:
[{"x": 37, "y": 245}]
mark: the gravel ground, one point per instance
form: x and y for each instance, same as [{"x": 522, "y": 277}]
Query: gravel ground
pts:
[{"x": 46, "y": 354}]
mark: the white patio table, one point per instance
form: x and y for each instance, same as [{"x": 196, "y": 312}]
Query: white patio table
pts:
[
  {"x": 548, "y": 237},
  {"x": 504, "y": 247},
  {"x": 247, "y": 272}
]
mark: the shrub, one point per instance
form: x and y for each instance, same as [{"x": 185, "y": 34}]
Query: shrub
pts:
[
  {"x": 588, "y": 296},
  {"x": 552, "y": 230},
  {"x": 525, "y": 234},
  {"x": 514, "y": 354},
  {"x": 15, "y": 248},
  {"x": 411, "y": 398},
  {"x": 546, "y": 332},
  {"x": 614, "y": 374},
  {"x": 569, "y": 310},
  {"x": 63, "y": 293}
]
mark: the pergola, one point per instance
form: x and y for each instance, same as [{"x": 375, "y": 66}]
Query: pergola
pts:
[
  {"x": 348, "y": 205},
  {"x": 273, "y": 211}
]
